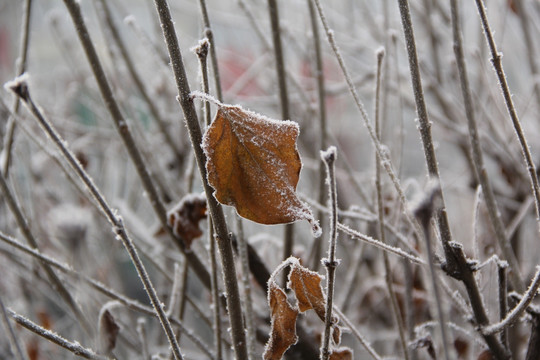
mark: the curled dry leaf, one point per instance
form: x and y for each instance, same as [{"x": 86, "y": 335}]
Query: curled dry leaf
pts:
[
  {"x": 253, "y": 164},
  {"x": 108, "y": 332},
  {"x": 343, "y": 353},
  {"x": 184, "y": 218},
  {"x": 283, "y": 332},
  {"x": 306, "y": 285}
]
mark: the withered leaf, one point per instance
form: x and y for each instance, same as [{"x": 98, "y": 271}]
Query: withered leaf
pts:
[
  {"x": 184, "y": 218},
  {"x": 283, "y": 332},
  {"x": 306, "y": 285},
  {"x": 343, "y": 353},
  {"x": 108, "y": 332},
  {"x": 253, "y": 164},
  {"x": 336, "y": 334}
]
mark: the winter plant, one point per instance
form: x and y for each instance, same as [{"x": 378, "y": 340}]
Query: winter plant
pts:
[{"x": 275, "y": 180}]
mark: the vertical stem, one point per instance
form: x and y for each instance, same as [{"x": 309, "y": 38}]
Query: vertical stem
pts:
[
  {"x": 213, "y": 55},
  {"x": 477, "y": 157},
  {"x": 380, "y": 210},
  {"x": 288, "y": 241},
  {"x": 21, "y": 68},
  {"x": 125, "y": 133},
  {"x": 529, "y": 46},
  {"x": 329, "y": 157},
  {"x": 202, "y": 54},
  {"x": 248, "y": 303},
  {"x": 424, "y": 125},
  {"x": 220, "y": 226},
  {"x": 496, "y": 61},
  {"x": 141, "y": 331},
  {"x": 424, "y": 212},
  {"x": 434, "y": 44},
  {"x": 321, "y": 101}
]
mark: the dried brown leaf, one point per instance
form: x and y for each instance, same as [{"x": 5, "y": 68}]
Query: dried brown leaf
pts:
[
  {"x": 343, "y": 353},
  {"x": 253, "y": 164},
  {"x": 283, "y": 332},
  {"x": 306, "y": 285},
  {"x": 184, "y": 218}
]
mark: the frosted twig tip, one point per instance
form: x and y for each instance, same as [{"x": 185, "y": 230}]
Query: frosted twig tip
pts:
[
  {"x": 380, "y": 53},
  {"x": 329, "y": 155},
  {"x": 19, "y": 86},
  {"x": 201, "y": 49}
]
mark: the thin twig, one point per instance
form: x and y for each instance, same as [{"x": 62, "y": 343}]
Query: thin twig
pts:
[
  {"x": 321, "y": 102},
  {"x": 329, "y": 157},
  {"x": 111, "y": 293},
  {"x": 357, "y": 334},
  {"x": 220, "y": 226},
  {"x": 380, "y": 210},
  {"x": 391, "y": 249},
  {"x": 55, "y": 281},
  {"x": 16, "y": 348},
  {"x": 202, "y": 54},
  {"x": 165, "y": 132},
  {"x": 503, "y": 298},
  {"x": 20, "y": 88},
  {"x": 381, "y": 151},
  {"x": 248, "y": 301},
  {"x": 74, "y": 347},
  {"x": 21, "y": 68},
  {"x": 477, "y": 157},
  {"x": 127, "y": 137},
  {"x": 424, "y": 212},
  {"x": 496, "y": 61},
  {"x": 529, "y": 45},
  {"x": 141, "y": 331},
  {"x": 424, "y": 125},
  {"x": 511, "y": 318},
  {"x": 213, "y": 55}
]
